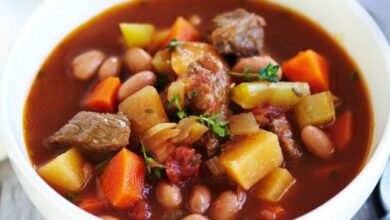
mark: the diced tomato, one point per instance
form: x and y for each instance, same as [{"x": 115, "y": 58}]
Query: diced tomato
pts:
[{"x": 183, "y": 164}]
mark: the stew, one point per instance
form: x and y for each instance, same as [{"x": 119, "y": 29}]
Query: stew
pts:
[{"x": 198, "y": 109}]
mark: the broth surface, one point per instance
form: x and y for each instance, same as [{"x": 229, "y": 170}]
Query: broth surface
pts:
[{"x": 55, "y": 96}]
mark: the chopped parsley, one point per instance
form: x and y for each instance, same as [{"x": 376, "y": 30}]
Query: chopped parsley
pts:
[
  {"x": 219, "y": 128},
  {"x": 152, "y": 166},
  {"x": 174, "y": 44},
  {"x": 175, "y": 101},
  {"x": 269, "y": 73}
]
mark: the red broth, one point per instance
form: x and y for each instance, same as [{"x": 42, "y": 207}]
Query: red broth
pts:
[{"x": 55, "y": 96}]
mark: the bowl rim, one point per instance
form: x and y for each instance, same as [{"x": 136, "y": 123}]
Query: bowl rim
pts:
[{"x": 369, "y": 173}]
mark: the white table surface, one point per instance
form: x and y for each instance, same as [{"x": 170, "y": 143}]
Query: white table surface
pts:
[{"x": 14, "y": 204}]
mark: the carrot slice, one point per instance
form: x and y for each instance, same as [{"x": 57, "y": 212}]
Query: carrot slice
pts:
[
  {"x": 103, "y": 96},
  {"x": 342, "y": 130},
  {"x": 92, "y": 205},
  {"x": 122, "y": 181},
  {"x": 310, "y": 67},
  {"x": 182, "y": 30}
]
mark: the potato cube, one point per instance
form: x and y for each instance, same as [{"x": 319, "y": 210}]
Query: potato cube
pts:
[
  {"x": 244, "y": 123},
  {"x": 247, "y": 159},
  {"x": 65, "y": 171},
  {"x": 137, "y": 35},
  {"x": 250, "y": 95},
  {"x": 317, "y": 109},
  {"x": 144, "y": 109},
  {"x": 274, "y": 186}
]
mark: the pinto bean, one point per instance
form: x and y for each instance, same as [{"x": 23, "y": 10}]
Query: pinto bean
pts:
[
  {"x": 317, "y": 142},
  {"x": 199, "y": 199},
  {"x": 169, "y": 195},
  {"x": 138, "y": 60},
  {"x": 194, "y": 217},
  {"x": 227, "y": 205},
  {"x": 85, "y": 65},
  {"x": 110, "y": 67},
  {"x": 135, "y": 83},
  {"x": 255, "y": 63}
]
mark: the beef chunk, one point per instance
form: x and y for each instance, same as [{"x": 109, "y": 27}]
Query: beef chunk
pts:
[
  {"x": 282, "y": 128},
  {"x": 207, "y": 86},
  {"x": 207, "y": 90},
  {"x": 211, "y": 142},
  {"x": 238, "y": 33},
  {"x": 274, "y": 118},
  {"x": 96, "y": 135},
  {"x": 265, "y": 113}
]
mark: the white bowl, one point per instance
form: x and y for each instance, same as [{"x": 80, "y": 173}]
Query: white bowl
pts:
[{"x": 346, "y": 19}]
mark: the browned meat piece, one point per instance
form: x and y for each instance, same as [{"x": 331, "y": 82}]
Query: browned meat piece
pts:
[
  {"x": 238, "y": 32},
  {"x": 281, "y": 127},
  {"x": 207, "y": 86},
  {"x": 207, "y": 89},
  {"x": 96, "y": 135},
  {"x": 210, "y": 142},
  {"x": 264, "y": 113}
]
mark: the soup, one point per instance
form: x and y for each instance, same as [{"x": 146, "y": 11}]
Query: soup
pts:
[{"x": 167, "y": 109}]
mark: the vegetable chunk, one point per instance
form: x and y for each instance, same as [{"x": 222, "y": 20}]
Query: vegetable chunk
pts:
[
  {"x": 65, "y": 171},
  {"x": 275, "y": 185},
  {"x": 122, "y": 181},
  {"x": 182, "y": 30},
  {"x": 144, "y": 109},
  {"x": 137, "y": 35},
  {"x": 342, "y": 130},
  {"x": 103, "y": 96},
  {"x": 244, "y": 123},
  {"x": 310, "y": 67},
  {"x": 248, "y": 159},
  {"x": 250, "y": 95},
  {"x": 316, "y": 109},
  {"x": 189, "y": 52}
]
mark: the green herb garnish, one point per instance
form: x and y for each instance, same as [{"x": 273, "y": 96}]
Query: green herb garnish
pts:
[
  {"x": 174, "y": 44},
  {"x": 269, "y": 73},
  {"x": 152, "y": 166},
  {"x": 73, "y": 197},
  {"x": 175, "y": 101},
  {"x": 219, "y": 128}
]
